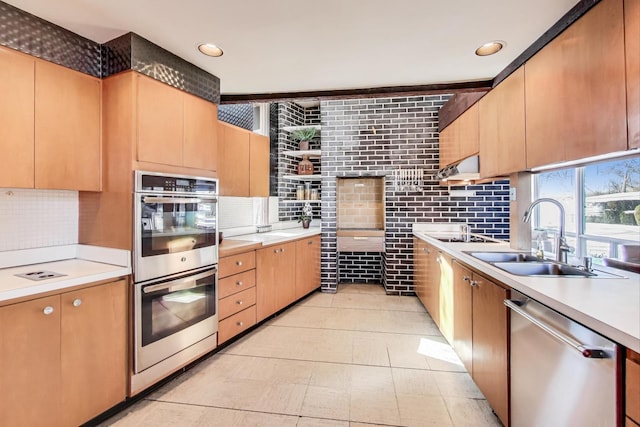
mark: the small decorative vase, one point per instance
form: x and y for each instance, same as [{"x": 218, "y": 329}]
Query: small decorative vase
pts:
[
  {"x": 305, "y": 167},
  {"x": 304, "y": 145},
  {"x": 306, "y": 223}
]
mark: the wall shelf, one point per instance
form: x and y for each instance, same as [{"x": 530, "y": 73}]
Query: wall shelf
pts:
[
  {"x": 303, "y": 177},
  {"x": 313, "y": 154},
  {"x": 292, "y": 128},
  {"x": 293, "y": 201}
]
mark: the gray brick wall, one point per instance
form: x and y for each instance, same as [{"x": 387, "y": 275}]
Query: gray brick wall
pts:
[{"x": 374, "y": 137}]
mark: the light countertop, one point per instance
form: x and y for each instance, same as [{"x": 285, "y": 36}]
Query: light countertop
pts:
[
  {"x": 277, "y": 236},
  {"x": 609, "y": 306},
  {"x": 79, "y": 264}
]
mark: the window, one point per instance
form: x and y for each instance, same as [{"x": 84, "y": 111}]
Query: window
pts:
[{"x": 602, "y": 204}]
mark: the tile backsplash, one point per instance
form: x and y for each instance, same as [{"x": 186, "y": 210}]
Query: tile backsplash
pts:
[{"x": 37, "y": 218}]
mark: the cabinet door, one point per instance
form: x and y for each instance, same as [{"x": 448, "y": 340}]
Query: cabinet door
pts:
[
  {"x": 632, "y": 57},
  {"x": 420, "y": 259},
  {"x": 259, "y": 165},
  {"x": 449, "y": 150},
  {"x": 200, "y": 133},
  {"x": 468, "y": 133},
  {"x": 632, "y": 385},
  {"x": 432, "y": 285},
  {"x": 16, "y": 119},
  {"x": 275, "y": 283},
  {"x": 307, "y": 266},
  {"x": 160, "y": 122},
  {"x": 462, "y": 315},
  {"x": 94, "y": 350},
  {"x": 30, "y": 360},
  {"x": 67, "y": 129},
  {"x": 575, "y": 90},
  {"x": 490, "y": 344},
  {"x": 233, "y": 160},
  {"x": 502, "y": 133},
  {"x": 445, "y": 295}
]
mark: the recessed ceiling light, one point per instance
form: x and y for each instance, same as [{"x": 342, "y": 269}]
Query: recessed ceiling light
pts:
[
  {"x": 490, "y": 48},
  {"x": 210, "y": 49}
]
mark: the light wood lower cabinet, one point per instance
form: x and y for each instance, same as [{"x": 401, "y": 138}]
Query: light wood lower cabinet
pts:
[
  {"x": 463, "y": 315},
  {"x": 632, "y": 387},
  {"x": 275, "y": 270},
  {"x": 307, "y": 266},
  {"x": 64, "y": 357},
  {"x": 237, "y": 294}
]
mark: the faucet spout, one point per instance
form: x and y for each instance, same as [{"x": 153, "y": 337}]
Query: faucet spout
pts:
[{"x": 561, "y": 245}]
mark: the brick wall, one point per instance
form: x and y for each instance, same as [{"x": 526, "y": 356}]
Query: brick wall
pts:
[{"x": 374, "y": 137}]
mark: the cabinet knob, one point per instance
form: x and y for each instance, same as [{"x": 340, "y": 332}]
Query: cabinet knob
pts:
[
  {"x": 239, "y": 263},
  {"x": 466, "y": 278},
  {"x": 310, "y": 242},
  {"x": 282, "y": 250},
  {"x": 426, "y": 250},
  {"x": 240, "y": 323},
  {"x": 77, "y": 302},
  {"x": 239, "y": 302},
  {"x": 47, "y": 310},
  {"x": 275, "y": 251},
  {"x": 239, "y": 283},
  {"x": 473, "y": 283}
]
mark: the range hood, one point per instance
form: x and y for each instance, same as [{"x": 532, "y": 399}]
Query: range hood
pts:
[{"x": 465, "y": 170}]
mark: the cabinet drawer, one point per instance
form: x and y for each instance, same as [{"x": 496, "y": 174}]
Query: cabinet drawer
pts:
[
  {"x": 236, "y": 302},
  {"x": 361, "y": 244},
  {"x": 236, "y": 283},
  {"x": 633, "y": 386},
  {"x": 232, "y": 326},
  {"x": 237, "y": 263}
]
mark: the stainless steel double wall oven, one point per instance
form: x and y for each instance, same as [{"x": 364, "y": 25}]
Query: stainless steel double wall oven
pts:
[{"x": 175, "y": 272}]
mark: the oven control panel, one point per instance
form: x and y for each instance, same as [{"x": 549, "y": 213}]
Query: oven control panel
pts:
[{"x": 160, "y": 183}]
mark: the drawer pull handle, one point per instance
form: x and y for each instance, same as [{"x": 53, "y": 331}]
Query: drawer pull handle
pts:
[
  {"x": 240, "y": 323},
  {"x": 239, "y": 263},
  {"x": 77, "y": 302},
  {"x": 239, "y": 283},
  {"x": 47, "y": 310},
  {"x": 239, "y": 302},
  {"x": 360, "y": 238},
  {"x": 310, "y": 242}
]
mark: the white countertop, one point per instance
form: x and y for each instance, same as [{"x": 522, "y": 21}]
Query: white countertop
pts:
[
  {"x": 80, "y": 265},
  {"x": 609, "y": 306},
  {"x": 279, "y": 236}
]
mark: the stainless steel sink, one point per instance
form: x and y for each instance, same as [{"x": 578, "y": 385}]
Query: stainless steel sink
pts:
[
  {"x": 542, "y": 269},
  {"x": 504, "y": 256}
]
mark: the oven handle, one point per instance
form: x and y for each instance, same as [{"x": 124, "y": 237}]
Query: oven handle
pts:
[
  {"x": 182, "y": 284},
  {"x": 156, "y": 199}
]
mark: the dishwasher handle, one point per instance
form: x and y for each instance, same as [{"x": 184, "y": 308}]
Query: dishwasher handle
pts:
[{"x": 587, "y": 351}]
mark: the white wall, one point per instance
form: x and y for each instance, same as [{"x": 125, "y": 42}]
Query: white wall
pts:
[{"x": 37, "y": 218}]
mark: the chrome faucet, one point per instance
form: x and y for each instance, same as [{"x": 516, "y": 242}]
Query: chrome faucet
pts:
[{"x": 561, "y": 243}]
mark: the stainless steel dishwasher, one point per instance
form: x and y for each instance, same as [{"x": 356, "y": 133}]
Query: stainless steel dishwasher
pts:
[{"x": 562, "y": 373}]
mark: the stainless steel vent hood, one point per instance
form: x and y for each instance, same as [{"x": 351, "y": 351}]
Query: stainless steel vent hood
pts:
[{"x": 465, "y": 170}]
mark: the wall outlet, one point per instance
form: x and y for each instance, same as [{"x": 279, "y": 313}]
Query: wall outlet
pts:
[
  {"x": 512, "y": 194},
  {"x": 462, "y": 193}
]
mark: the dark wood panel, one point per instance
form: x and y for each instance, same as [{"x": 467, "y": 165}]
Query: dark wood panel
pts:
[{"x": 456, "y": 105}]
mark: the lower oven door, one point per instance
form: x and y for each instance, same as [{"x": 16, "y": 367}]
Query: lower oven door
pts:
[{"x": 174, "y": 314}]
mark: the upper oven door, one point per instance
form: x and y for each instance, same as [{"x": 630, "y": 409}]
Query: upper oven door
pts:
[{"x": 174, "y": 233}]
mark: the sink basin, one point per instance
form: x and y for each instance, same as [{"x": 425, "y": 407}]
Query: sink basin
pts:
[
  {"x": 541, "y": 269},
  {"x": 504, "y": 256}
]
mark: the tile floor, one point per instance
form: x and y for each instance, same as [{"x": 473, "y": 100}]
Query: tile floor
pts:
[{"x": 355, "y": 358}]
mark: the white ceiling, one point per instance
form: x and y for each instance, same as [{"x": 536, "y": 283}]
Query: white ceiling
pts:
[{"x": 316, "y": 45}]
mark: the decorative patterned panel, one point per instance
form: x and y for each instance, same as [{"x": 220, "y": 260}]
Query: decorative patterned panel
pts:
[{"x": 240, "y": 115}]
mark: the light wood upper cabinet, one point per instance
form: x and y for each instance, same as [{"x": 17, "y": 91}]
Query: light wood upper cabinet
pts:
[
  {"x": 200, "y": 133},
  {"x": 459, "y": 140},
  {"x": 30, "y": 359},
  {"x": 259, "y": 164},
  {"x": 16, "y": 119},
  {"x": 502, "y": 128},
  {"x": 243, "y": 168},
  {"x": 307, "y": 266},
  {"x": 233, "y": 167},
  {"x": 632, "y": 57},
  {"x": 575, "y": 90},
  {"x": 94, "y": 351},
  {"x": 160, "y": 122},
  {"x": 68, "y": 150}
]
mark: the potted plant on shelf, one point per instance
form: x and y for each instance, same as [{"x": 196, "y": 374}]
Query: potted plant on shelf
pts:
[
  {"x": 304, "y": 135},
  {"x": 305, "y": 216}
]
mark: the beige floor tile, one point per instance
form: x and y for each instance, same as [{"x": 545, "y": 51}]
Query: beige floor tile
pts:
[
  {"x": 362, "y": 288},
  {"x": 305, "y": 316},
  {"x": 319, "y": 422},
  {"x": 404, "y": 352},
  {"x": 456, "y": 384},
  {"x": 326, "y": 402},
  {"x": 371, "y": 379},
  {"x": 332, "y": 375},
  {"x": 375, "y": 302},
  {"x": 414, "y": 382},
  {"x": 282, "y": 399},
  {"x": 416, "y": 410},
  {"x": 370, "y": 348},
  {"x": 318, "y": 299},
  {"x": 471, "y": 412},
  {"x": 440, "y": 356},
  {"x": 374, "y": 406}
]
